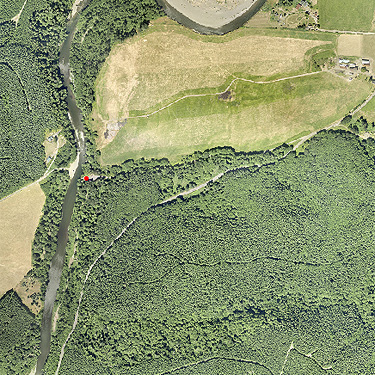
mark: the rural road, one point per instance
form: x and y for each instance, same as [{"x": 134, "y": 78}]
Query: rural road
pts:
[
  {"x": 346, "y": 32},
  {"x": 334, "y": 124},
  {"x": 353, "y": 112}
]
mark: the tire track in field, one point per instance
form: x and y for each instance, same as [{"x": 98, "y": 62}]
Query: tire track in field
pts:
[{"x": 222, "y": 92}]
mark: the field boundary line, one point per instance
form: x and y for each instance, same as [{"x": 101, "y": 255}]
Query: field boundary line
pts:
[
  {"x": 222, "y": 92},
  {"x": 40, "y": 179},
  {"x": 346, "y": 32}
]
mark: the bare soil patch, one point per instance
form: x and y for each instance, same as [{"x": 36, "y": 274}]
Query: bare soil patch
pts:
[
  {"x": 29, "y": 291},
  {"x": 19, "y": 219}
]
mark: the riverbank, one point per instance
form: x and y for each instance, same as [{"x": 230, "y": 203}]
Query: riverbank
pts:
[{"x": 211, "y": 16}]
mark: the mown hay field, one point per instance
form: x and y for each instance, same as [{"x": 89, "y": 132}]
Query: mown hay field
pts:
[
  {"x": 369, "y": 46},
  {"x": 356, "y": 45},
  {"x": 169, "y": 59},
  {"x": 350, "y": 45},
  {"x": 19, "y": 218},
  {"x": 255, "y": 117},
  {"x": 351, "y": 15}
]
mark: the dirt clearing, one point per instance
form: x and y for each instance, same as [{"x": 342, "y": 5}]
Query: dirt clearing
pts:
[{"x": 19, "y": 219}]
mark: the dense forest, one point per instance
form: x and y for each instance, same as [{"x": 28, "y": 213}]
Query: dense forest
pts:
[
  {"x": 228, "y": 279},
  {"x": 19, "y": 336},
  {"x": 267, "y": 270},
  {"x": 102, "y": 24},
  {"x": 32, "y": 96}
]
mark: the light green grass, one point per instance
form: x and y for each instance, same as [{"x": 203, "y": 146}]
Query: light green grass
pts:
[
  {"x": 259, "y": 117},
  {"x": 368, "y": 111},
  {"x": 354, "y": 15}
]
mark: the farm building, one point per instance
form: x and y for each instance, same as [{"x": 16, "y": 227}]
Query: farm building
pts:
[{"x": 365, "y": 62}]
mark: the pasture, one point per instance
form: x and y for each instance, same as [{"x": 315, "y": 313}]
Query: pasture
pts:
[
  {"x": 369, "y": 46},
  {"x": 356, "y": 45},
  {"x": 350, "y": 45},
  {"x": 253, "y": 117},
  {"x": 182, "y": 60},
  {"x": 368, "y": 111},
  {"x": 19, "y": 218},
  {"x": 351, "y": 15}
]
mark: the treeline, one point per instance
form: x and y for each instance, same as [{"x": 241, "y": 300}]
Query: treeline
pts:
[
  {"x": 19, "y": 336},
  {"x": 102, "y": 24},
  {"x": 259, "y": 253},
  {"x": 358, "y": 125},
  {"x": 45, "y": 239}
]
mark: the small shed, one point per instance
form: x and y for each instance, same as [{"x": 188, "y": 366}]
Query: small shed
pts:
[{"x": 366, "y": 62}]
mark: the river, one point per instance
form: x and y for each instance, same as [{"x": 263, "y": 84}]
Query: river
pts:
[
  {"x": 75, "y": 116},
  {"x": 57, "y": 262},
  {"x": 202, "y": 29}
]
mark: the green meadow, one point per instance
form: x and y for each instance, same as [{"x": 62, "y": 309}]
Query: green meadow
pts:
[
  {"x": 255, "y": 117},
  {"x": 352, "y": 15}
]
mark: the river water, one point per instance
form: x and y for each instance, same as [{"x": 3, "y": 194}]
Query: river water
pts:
[
  {"x": 75, "y": 116},
  {"x": 233, "y": 25},
  {"x": 57, "y": 262}
]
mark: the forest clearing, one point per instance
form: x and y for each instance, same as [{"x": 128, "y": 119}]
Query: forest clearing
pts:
[{"x": 19, "y": 219}]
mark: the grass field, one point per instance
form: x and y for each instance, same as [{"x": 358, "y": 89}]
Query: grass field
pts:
[
  {"x": 256, "y": 118},
  {"x": 350, "y": 45},
  {"x": 18, "y": 221},
  {"x": 356, "y": 45},
  {"x": 182, "y": 60},
  {"x": 354, "y": 15},
  {"x": 368, "y": 111},
  {"x": 369, "y": 46},
  {"x": 260, "y": 19}
]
